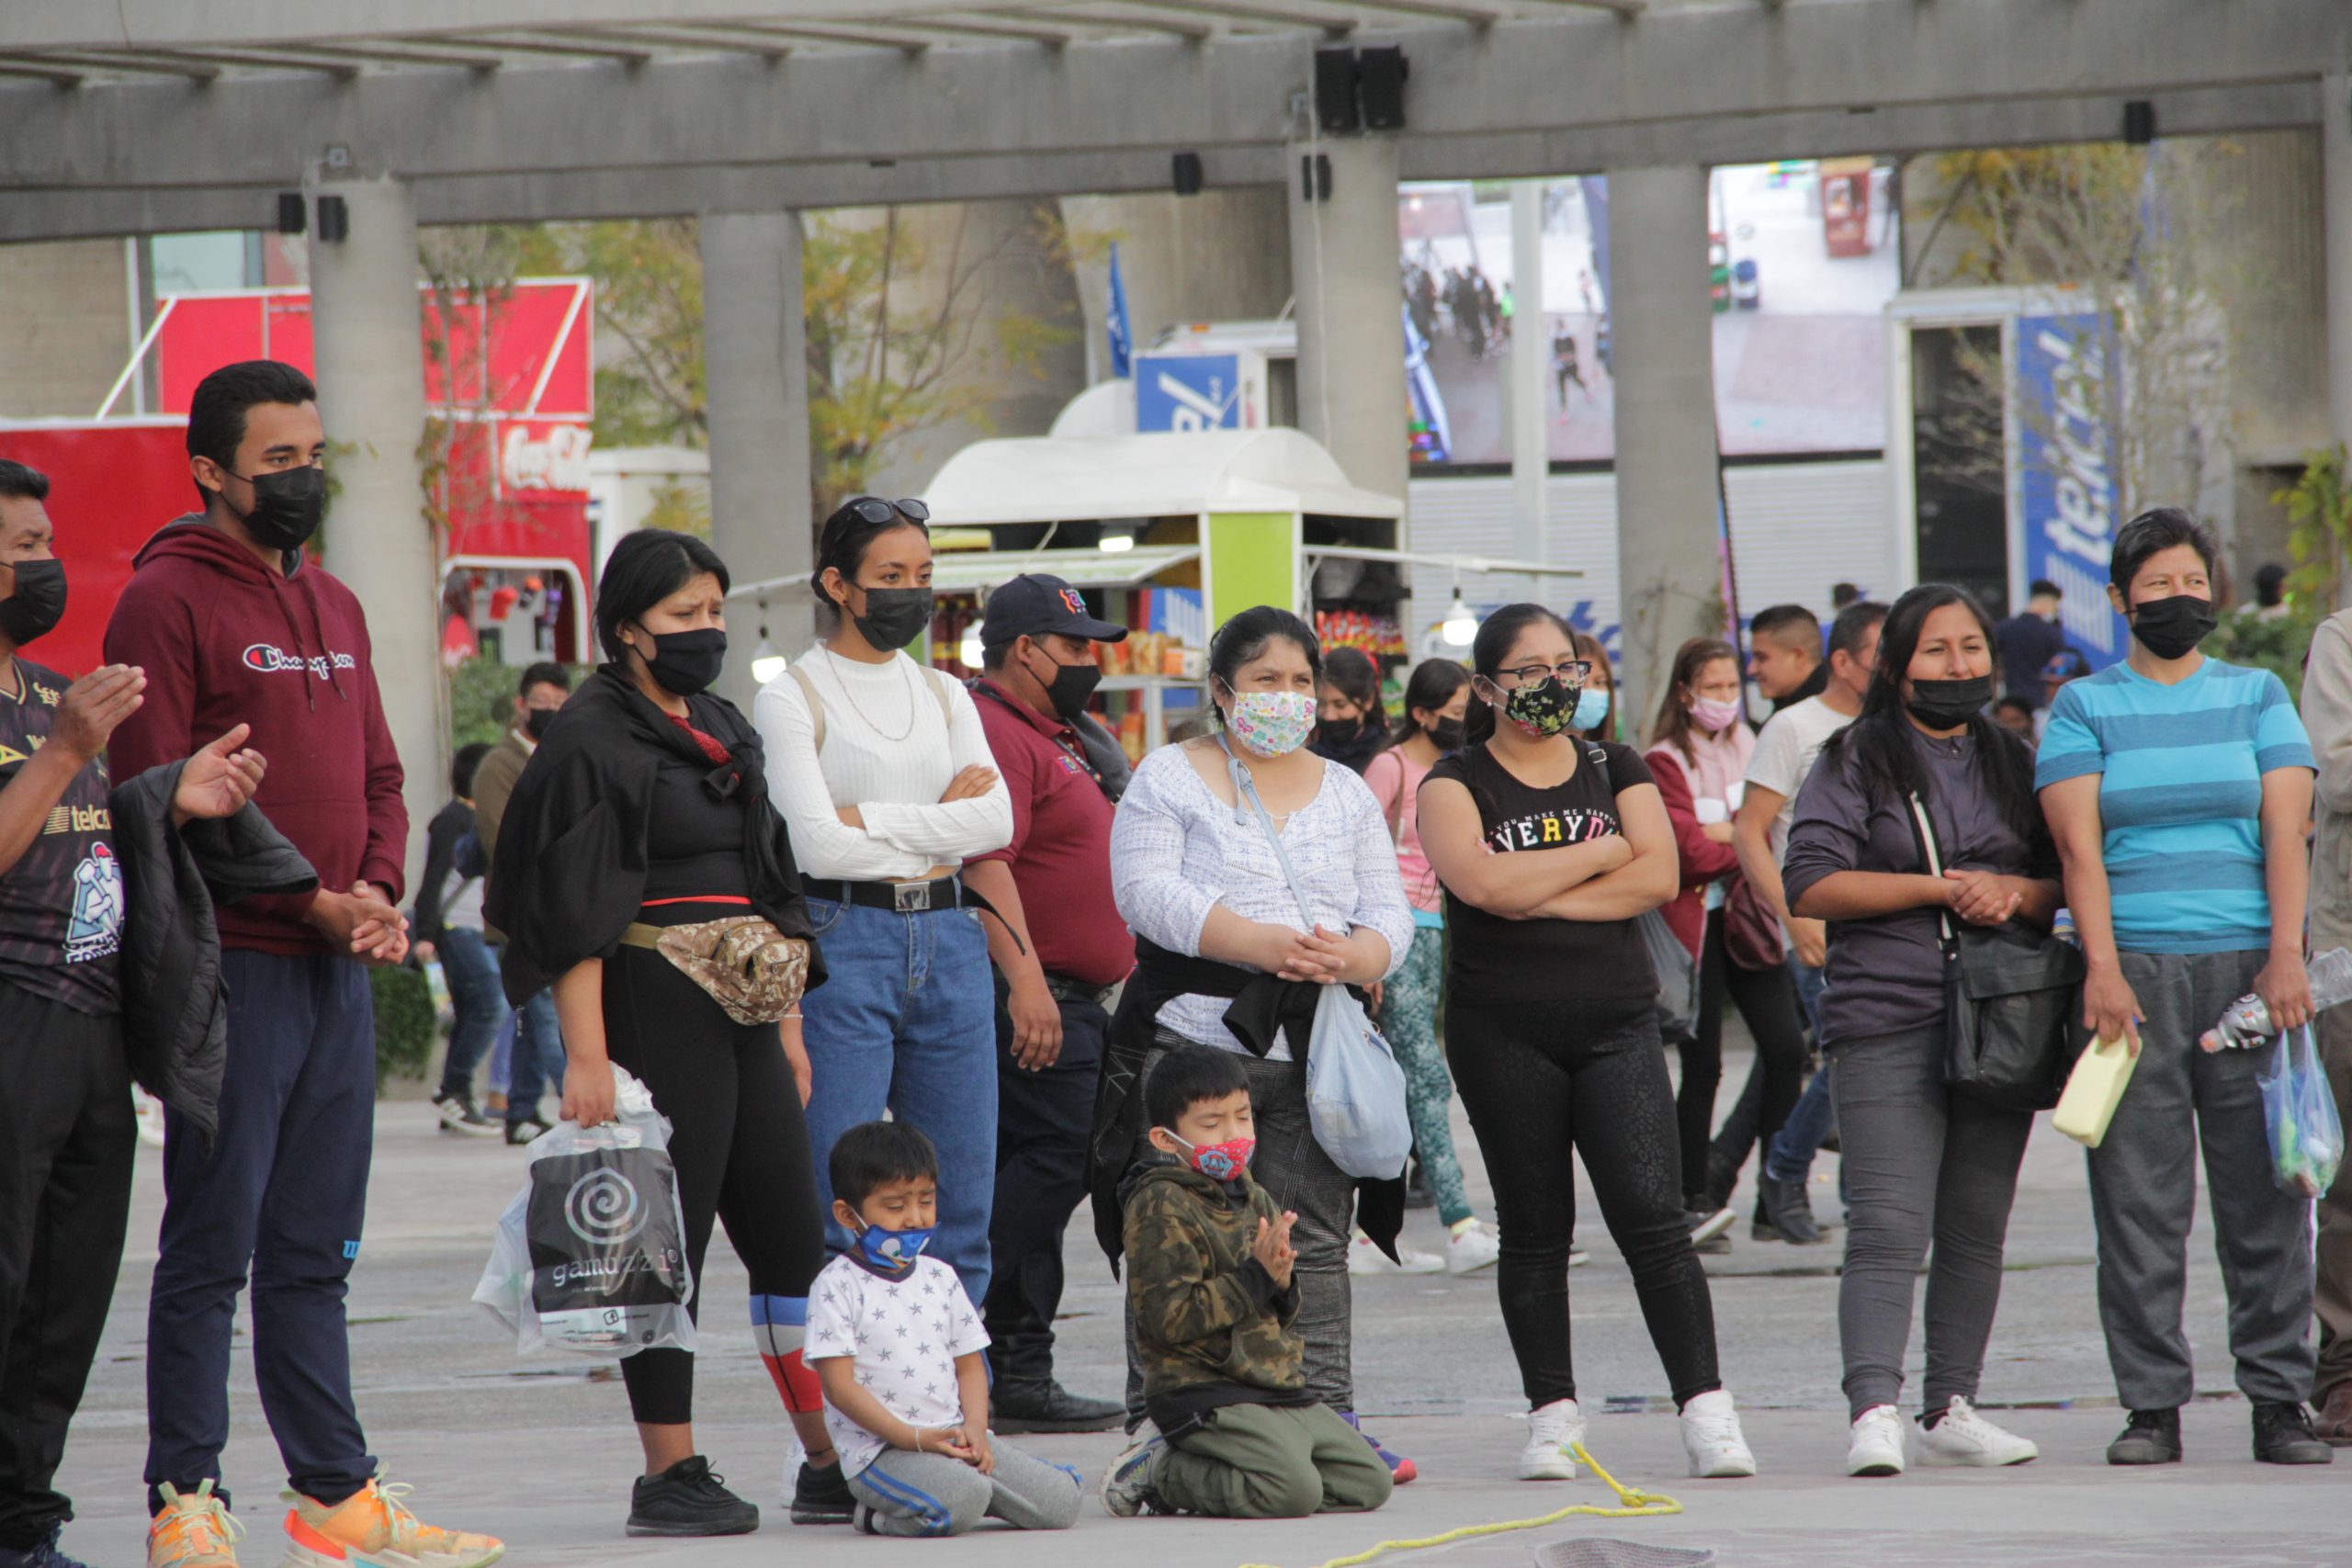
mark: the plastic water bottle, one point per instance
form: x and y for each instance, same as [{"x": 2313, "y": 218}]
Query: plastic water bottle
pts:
[{"x": 2247, "y": 1022}]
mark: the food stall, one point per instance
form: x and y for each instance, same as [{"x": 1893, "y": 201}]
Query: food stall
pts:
[{"x": 1170, "y": 533}]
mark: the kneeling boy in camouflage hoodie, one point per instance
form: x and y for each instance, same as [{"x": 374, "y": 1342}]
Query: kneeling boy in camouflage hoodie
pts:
[{"x": 1233, "y": 1432}]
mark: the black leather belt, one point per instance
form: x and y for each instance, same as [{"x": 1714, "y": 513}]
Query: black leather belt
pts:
[{"x": 898, "y": 898}]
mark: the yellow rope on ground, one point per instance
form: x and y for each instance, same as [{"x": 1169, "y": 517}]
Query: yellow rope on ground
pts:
[{"x": 1633, "y": 1504}]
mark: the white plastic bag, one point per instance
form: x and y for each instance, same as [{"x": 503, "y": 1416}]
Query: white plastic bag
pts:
[{"x": 591, "y": 1254}]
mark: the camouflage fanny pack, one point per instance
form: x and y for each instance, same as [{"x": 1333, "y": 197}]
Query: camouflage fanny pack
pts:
[{"x": 746, "y": 966}]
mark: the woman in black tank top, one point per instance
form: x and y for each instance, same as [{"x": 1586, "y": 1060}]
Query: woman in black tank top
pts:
[{"x": 1550, "y": 847}]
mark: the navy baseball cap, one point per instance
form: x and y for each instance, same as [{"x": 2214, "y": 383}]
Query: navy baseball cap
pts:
[{"x": 1037, "y": 606}]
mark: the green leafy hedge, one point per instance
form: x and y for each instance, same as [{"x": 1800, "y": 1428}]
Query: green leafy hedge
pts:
[{"x": 406, "y": 1028}]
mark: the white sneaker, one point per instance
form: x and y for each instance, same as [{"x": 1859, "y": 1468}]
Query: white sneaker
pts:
[
  {"x": 1550, "y": 1431},
  {"x": 1711, "y": 1436},
  {"x": 1126, "y": 1489},
  {"x": 1963, "y": 1437},
  {"x": 1876, "y": 1445},
  {"x": 1578, "y": 1256},
  {"x": 1363, "y": 1258},
  {"x": 1471, "y": 1246}
]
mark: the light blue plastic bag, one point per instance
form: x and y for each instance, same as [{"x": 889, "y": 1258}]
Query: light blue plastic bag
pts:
[
  {"x": 1355, "y": 1090},
  {"x": 2298, "y": 1110}
]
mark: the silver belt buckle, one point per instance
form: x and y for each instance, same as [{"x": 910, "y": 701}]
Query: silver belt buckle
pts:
[{"x": 910, "y": 897}]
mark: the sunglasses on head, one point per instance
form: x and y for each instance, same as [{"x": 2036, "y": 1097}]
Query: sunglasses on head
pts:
[{"x": 874, "y": 509}]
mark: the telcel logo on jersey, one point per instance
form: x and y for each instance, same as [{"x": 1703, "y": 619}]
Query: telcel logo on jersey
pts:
[{"x": 269, "y": 660}]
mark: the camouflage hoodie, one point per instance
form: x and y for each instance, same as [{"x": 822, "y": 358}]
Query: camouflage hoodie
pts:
[{"x": 1211, "y": 1327}]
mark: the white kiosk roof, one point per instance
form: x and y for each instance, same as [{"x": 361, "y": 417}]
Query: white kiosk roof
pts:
[{"x": 1067, "y": 478}]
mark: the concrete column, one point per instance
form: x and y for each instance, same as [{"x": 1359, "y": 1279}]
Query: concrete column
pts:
[
  {"x": 2335, "y": 219},
  {"x": 1343, "y": 265},
  {"x": 1668, "y": 493},
  {"x": 756, "y": 369},
  {"x": 367, "y": 343},
  {"x": 1530, "y": 374}
]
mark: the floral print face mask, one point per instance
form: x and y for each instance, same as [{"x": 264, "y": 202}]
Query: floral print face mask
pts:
[{"x": 1272, "y": 723}]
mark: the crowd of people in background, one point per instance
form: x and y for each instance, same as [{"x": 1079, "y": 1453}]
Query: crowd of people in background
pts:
[{"x": 1000, "y": 972}]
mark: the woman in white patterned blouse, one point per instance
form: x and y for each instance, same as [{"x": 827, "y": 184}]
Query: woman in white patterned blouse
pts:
[{"x": 1196, "y": 876}]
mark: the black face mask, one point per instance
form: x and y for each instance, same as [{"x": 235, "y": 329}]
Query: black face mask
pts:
[
  {"x": 1342, "y": 731},
  {"x": 2172, "y": 627},
  {"x": 685, "y": 662},
  {"x": 1072, "y": 686},
  {"x": 1447, "y": 735},
  {"x": 37, "y": 604},
  {"x": 286, "y": 506},
  {"x": 894, "y": 618},
  {"x": 535, "y": 720},
  {"x": 1946, "y": 704}
]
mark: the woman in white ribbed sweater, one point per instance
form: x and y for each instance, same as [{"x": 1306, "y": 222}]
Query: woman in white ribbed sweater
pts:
[{"x": 880, "y": 767}]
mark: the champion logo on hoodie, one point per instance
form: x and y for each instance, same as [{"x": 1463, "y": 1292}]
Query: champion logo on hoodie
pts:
[{"x": 261, "y": 655}]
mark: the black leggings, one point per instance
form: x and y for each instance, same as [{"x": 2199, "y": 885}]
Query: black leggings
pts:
[
  {"x": 1767, "y": 999},
  {"x": 740, "y": 1148},
  {"x": 1538, "y": 1082}
]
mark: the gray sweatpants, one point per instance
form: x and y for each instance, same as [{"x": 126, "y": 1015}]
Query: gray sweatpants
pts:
[
  {"x": 2143, "y": 1196},
  {"x": 913, "y": 1493},
  {"x": 1922, "y": 1164},
  {"x": 1295, "y": 1172}
]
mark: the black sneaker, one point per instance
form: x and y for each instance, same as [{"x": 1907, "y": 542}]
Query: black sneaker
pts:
[
  {"x": 42, "y": 1553},
  {"x": 689, "y": 1499},
  {"x": 1041, "y": 1405},
  {"x": 2283, "y": 1434},
  {"x": 1790, "y": 1209},
  {"x": 1709, "y": 1228},
  {"x": 457, "y": 1115},
  {"x": 2152, "y": 1436},
  {"x": 523, "y": 1130},
  {"x": 821, "y": 1495}
]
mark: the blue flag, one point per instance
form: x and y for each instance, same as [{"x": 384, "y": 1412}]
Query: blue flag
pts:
[{"x": 1122, "y": 334}]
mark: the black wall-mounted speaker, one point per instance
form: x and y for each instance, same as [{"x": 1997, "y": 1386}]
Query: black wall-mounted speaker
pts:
[
  {"x": 1188, "y": 173},
  {"x": 334, "y": 220},
  {"x": 1380, "y": 87},
  {"x": 1335, "y": 91},
  {"x": 293, "y": 212},
  {"x": 2138, "y": 123}
]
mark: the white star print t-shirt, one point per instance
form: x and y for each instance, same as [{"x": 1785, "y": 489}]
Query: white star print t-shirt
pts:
[{"x": 903, "y": 1334}]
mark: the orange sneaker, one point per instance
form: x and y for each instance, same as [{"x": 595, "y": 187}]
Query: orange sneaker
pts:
[
  {"x": 193, "y": 1531},
  {"x": 373, "y": 1529}
]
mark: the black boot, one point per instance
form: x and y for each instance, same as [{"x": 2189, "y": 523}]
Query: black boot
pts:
[
  {"x": 689, "y": 1499},
  {"x": 2152, "y": 1436},
  {"x": 821, "y": 1495},
  {"x": 2283, "y": 1434},
  {"x": 1041, "y": 1405}
]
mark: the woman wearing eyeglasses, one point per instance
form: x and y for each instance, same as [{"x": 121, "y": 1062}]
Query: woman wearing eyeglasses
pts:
[
  {"x": 883, "y": 772},
  {"x": 1550, "y": 847}
]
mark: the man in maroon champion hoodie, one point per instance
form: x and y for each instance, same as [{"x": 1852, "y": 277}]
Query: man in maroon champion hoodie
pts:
[{"x": 231, "y": 622}]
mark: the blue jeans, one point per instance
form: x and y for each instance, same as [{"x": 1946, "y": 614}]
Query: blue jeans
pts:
[
  {"x": 1788, "y": 1157},
  {"x": 905, "y": 1022},
  {"x": 501, "y": 1057},
  {"x": 536, "y": 1063},
  {"x": 471, "y": 968}
]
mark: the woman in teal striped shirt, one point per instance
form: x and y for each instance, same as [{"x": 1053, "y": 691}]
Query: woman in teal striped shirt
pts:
[{"x": 2178, "y": 788}]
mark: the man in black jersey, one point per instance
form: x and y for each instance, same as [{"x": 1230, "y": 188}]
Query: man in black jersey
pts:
[{"x": 66, "y": 1125}]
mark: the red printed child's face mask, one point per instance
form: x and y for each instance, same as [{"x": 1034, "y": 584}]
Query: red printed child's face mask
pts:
[{"x": 1220, "y": 1161}]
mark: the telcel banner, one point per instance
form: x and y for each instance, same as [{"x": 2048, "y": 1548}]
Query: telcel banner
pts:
[{"x": 2062, "y": 485}]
